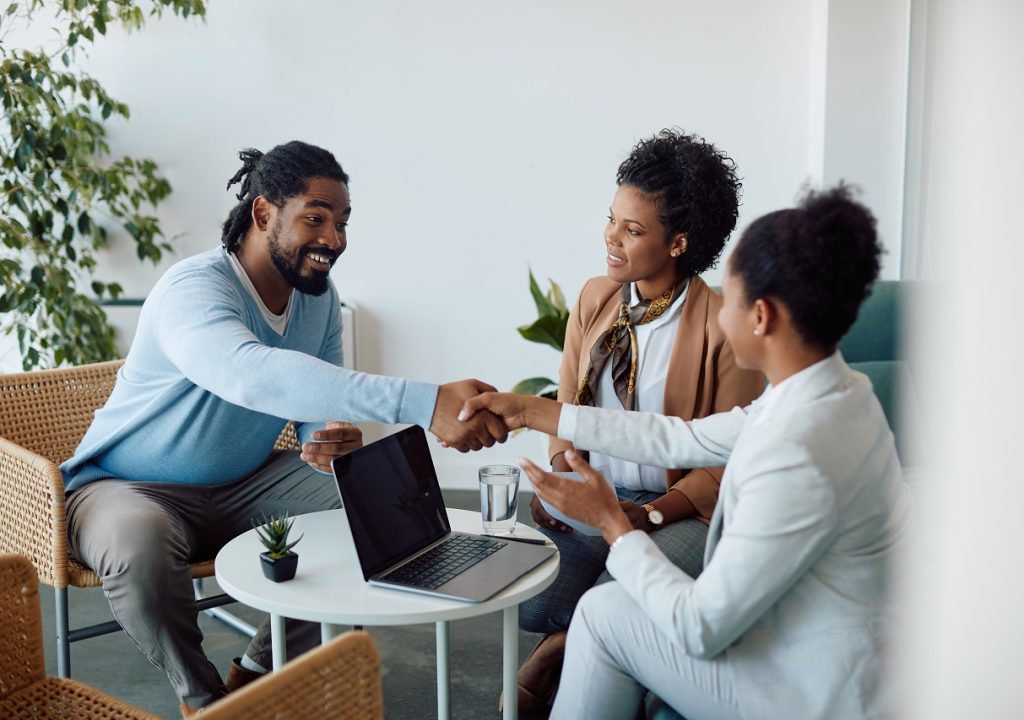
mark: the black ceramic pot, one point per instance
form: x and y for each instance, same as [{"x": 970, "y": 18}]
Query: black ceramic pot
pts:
[{"x": 281, "y": 569}]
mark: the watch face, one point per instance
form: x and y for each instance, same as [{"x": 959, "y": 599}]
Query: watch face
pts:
[{"x": 656, "y": 517}]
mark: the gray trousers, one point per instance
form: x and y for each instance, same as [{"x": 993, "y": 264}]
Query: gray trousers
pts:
[
  {"x": 615, "y": 653},
  {"x": 581, "y": 566},
  {"x": 139, "y": 538}
]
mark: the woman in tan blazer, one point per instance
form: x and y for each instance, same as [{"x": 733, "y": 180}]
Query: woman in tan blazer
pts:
[{"x": 645, "y": 337}]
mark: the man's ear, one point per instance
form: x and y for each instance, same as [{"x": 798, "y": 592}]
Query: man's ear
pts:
[{"x": 261, "y": 213}]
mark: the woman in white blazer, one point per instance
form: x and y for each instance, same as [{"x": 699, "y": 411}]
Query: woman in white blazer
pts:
[{"x": 788, "y": 617}]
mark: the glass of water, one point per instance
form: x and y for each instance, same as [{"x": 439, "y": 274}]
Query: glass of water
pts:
[{"x": 499, "y": 498}]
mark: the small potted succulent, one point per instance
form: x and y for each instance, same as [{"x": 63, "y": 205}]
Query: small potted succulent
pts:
[{"x": 279, "y": 562}]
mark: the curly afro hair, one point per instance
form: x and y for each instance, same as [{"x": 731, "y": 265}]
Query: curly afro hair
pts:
[
  {"x": 695, "y": 188},
  {"x": 819, "y": 259}
]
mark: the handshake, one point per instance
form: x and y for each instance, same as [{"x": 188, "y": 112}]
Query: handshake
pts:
[{"x": 470, "y": 415}]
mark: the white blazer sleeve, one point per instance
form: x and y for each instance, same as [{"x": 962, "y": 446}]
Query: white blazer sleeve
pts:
[
  {"x": 658, "y": 440},
  {"x": 784, "y": 517}
]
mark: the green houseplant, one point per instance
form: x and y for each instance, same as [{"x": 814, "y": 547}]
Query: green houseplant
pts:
[
  {"x": 278, "y": 561},
  {"x": 549, "y": 329},
  {"x": 61, "y": 191}
]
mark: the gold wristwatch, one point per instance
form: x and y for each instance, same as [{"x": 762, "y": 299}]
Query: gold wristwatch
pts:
[{"x": 654, "y": 515}]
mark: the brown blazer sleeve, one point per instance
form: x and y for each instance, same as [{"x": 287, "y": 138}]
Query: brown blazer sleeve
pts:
[{"x": 732, "y": 387}]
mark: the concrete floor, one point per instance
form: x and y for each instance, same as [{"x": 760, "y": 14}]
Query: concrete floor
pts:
[{"x": 113, "y": 664}]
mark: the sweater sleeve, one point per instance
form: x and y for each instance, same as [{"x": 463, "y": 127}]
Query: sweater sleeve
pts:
[{"x": 201, "y": 330}]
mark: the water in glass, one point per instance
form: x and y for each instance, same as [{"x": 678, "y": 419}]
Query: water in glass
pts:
[{"x": 499, "y": 498}]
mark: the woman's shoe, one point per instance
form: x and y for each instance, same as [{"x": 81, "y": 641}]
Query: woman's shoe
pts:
[{"x": 539, "y": 675}]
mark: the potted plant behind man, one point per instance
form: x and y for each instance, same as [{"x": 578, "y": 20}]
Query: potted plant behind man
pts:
[{"x": 278, "y": 561}]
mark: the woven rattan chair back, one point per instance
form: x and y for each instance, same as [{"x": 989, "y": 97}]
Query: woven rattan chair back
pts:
[
  {"x": 48, "y": 411},
  {"x": 337, "y": 681}
]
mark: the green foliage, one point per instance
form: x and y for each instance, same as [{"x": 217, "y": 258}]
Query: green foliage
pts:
[
  {"x": 61, "y": 193},
  {"x": 273, "y": 532},
  {"x": 549, "y": 329}
]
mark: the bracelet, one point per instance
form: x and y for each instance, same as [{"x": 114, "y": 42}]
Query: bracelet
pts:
[{"x": 618, "y": 541}]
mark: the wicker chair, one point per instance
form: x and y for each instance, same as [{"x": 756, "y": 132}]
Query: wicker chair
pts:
[
  {"x": 338, "y": 681},
  {"x": 43, "y": 416},
  {"x": 25, "y": 691}
]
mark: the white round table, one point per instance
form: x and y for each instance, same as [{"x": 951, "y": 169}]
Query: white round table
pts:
[{"x": 328, "y": 588}]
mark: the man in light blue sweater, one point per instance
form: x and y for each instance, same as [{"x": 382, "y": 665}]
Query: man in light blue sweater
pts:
[{"x": 180, "y": 459}]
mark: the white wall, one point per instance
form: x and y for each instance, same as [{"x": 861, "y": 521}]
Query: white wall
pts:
[
  {"x": 481, "y": 138},
  {"x": 960, "y": 655},
  {"x": 865, "y": 110}
]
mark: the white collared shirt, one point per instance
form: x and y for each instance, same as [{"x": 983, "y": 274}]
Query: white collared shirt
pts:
[{"x": 654, "y": 346}]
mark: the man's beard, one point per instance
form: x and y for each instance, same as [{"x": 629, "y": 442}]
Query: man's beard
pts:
[{"x": 315, "y": 283}]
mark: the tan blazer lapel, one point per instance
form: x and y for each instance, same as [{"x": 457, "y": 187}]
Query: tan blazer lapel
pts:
[{"x": 688, "y": 352}]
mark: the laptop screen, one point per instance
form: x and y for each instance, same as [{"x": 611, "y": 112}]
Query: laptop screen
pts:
[{"x": 392, "y": 498}]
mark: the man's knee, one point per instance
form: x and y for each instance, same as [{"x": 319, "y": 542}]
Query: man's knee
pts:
[{"x": 147, "y": 546}]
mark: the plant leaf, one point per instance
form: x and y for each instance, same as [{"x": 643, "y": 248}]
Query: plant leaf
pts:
[
  {"x": 549, "y": 330},
  {"x": 533, "y": 386},
  {"x": 544, "y": 307},
  {"x": 557, "y": 298}
]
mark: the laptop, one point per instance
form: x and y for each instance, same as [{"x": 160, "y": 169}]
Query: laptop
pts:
[{"x": 401, "y": 531}]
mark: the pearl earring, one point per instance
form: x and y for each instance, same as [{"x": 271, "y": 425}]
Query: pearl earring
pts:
[
  {"x": 675, "y": 253},
  {"x": 757, "y": 331}
]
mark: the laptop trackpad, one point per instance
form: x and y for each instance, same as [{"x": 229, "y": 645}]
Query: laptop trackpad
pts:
[{"x": 498, "y": 571}]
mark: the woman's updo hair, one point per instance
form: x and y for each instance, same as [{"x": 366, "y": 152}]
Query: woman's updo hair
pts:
[
  {"x": 819, "y": 259},
  {"x": 695, "y": 188}
]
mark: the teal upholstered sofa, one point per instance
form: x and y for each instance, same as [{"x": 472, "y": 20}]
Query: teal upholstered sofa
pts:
[{"x": 876, "y": 346}]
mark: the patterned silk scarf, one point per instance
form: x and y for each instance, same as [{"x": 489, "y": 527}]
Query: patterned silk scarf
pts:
[{"x": 620, "y": 345}]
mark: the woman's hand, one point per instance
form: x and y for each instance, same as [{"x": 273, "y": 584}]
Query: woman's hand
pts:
[
  {"x": 591, "y": 501},
  {"x": 337, "y": 438},
  {"x": 518, "y": 411},
  {"x": 543, "y": 519}
]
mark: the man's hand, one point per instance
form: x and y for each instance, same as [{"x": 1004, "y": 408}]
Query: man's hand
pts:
[
  {"x": 517, "y": 411},
  {"x": 592, "y": 501},
  {"x": 337, "y": 438},
  {"x": 481, "y": 431}
]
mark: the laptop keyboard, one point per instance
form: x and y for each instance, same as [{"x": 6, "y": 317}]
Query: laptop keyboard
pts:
[{"x": 443, "y": 562}]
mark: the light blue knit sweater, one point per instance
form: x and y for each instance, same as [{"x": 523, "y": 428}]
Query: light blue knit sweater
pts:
[{"x": 207, "y": 385}]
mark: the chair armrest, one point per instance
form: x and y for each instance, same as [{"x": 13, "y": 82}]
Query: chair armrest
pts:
[
  {"x": 32, "y": 519},
  {"x": 336, "y": 681}
]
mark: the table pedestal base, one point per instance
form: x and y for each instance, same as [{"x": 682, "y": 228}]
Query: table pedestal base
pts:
[{"x": 509, "y": 660}]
